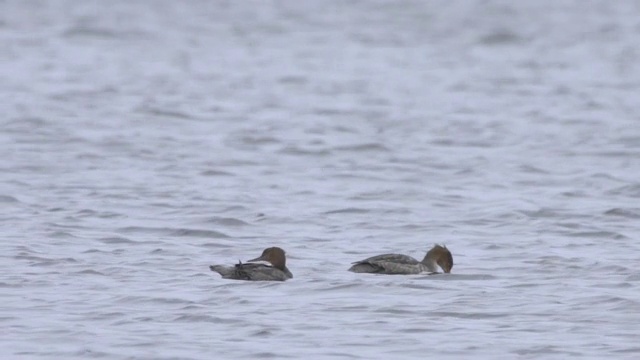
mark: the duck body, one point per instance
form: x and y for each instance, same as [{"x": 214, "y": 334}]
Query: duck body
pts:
[
  {"x": 252, "y": 272},
  {"x": 397, "y": 264},
  {"x": 391, "y": 264},
  {"x": 276, "y": 270}
]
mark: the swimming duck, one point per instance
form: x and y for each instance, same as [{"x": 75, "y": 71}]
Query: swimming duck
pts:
[
  {"x": 277, "y": 271},
  {"x": 396, "y": 264}
]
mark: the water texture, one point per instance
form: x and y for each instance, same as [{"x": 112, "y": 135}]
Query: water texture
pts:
[{"x": 143, "y": 141}]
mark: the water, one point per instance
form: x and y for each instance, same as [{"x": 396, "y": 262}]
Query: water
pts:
[{"x": 144, "y": 141}]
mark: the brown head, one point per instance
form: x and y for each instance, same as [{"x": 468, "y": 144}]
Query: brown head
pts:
[
  {"x": 273, "y": 255},
  {"x": 442, "y": 257}
]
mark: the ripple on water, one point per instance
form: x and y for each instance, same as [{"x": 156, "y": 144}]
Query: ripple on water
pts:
[
  {"x": 270, "y": 355},
  {"x": 467, "y": 315},
  {"x": 632, "y": 190},
  {"x": 301, "y": 151},
  {"x": 394, "y": 311},
  {"x": 597, "y": 234},
  {"x": 88, "y": 213},
  {"x": 227, "y": 221},
  {"x": 418, "y": 286},
  {"x": 630, "y": 213},
  {"x": 44, "y": 261},
  {"x": 634, "y": 277},
  {"x": 216, "y": 173},
  {"x": 89, "y": 272},
  {"x": 62, "y": 235},
  {"x": 542, "y": 213},
  {"x": 99, "y": 251},
  {"x": 199, "y": 233},
  {"x": 348, "y": 210},
  {"x": 545, "y": 350},
  {"x": 216, "y": 245},
  {"x": 457, "y": 277},
  {"x": 414, "y": 330},
  {"x": 9, "y": 285},
  {"x": 206, "y": 318},
  {"x": 8, "y": 199},
  {"x": 369, "y": 147},
  {"x": 186, "y": 232},
  {"x": 116, "y": 240},
  {"x": 341, "y": 287}
]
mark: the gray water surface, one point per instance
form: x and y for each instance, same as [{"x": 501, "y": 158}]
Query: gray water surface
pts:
[{"x": 143, "y": 141}]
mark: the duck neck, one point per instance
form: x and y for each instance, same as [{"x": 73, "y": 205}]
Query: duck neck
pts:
[
  {"x": 430, "y": 262},
  {"x": 279, "y": 264}
]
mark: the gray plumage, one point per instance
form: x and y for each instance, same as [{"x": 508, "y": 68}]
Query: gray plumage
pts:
[
  {"x": 396, "y": 264},
  {"x": 392, "y": 264},
  {"x": 276, "y": 271},
  {"x": 252, "y": 272}
]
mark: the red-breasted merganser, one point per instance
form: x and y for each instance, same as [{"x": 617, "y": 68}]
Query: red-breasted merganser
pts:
[
  {"x": 277, "y": 271},
  {"x": 396, "y": 264}
]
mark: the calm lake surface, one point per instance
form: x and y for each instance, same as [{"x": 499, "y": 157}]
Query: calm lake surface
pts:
[{"x": 143, "y": 141}]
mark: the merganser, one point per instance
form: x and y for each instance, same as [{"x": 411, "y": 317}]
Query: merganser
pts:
[
  {"x": 277, "y": 271},
  {"x": 396, "y": 264}
]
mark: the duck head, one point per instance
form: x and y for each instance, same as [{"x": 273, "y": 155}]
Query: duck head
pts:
[
  {"x": 442, "y": 256},
  {"x": 273, "y": 255}
]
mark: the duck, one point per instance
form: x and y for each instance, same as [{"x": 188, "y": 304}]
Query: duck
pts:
[
  {"x": 396, "y": 264},
  {"x": 252, "y": 271}
]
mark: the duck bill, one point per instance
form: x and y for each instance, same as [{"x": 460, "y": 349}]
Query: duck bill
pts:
[{"x": 259, "y": 258}]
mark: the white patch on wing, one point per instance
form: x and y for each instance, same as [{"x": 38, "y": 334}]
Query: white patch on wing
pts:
[{"x": 260, "y": 262}]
